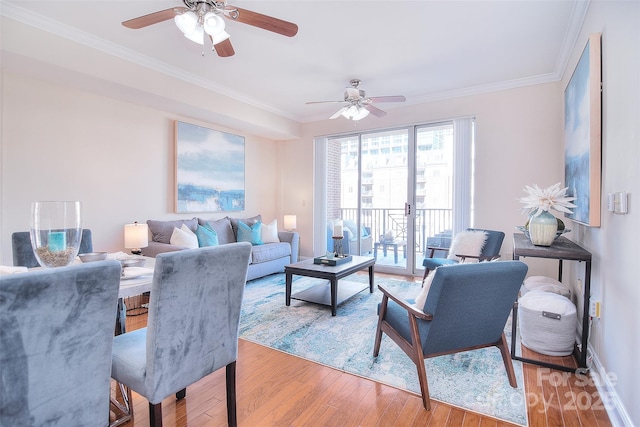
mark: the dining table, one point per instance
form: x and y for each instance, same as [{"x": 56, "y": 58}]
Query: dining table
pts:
[
  {"x": 132, "y": 284},
  {"x": 134, "y": 281}
]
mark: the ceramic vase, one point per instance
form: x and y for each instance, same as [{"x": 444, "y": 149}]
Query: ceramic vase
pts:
[
  {"x": 543, "y": 229},
  {"x": 56, "y": 232}
]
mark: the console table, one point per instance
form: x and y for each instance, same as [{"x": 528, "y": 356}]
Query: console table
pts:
[{"x": 562, "y": 249}]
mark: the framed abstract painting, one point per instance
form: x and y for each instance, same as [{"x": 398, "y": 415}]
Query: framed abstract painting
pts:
[
  {"x": 209, "y": 170},
  {"x": 583, "y": 135}
]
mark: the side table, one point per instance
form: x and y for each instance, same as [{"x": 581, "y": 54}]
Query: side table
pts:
[
  {"x": 562, "y": 249},
  {"x": 393, "y": 244}
]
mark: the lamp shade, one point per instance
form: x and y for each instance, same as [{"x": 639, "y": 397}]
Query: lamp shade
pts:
[
  {"x": 186, "y": 22},
  {"x": 290, "y": 222},
  {"x": 219, "y": 37},
  {"x": 136, "y": 236},
  {"x": 197, "y": 35},
  {"x": 213, "y": 24},
  {"x": 355, "y": 113}
]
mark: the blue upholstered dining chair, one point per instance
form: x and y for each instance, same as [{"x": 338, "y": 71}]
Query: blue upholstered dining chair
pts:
[
  {"x": 23, "y": 252},
  {"x": 55, "y": 346},
  {"x": 490, "y": 250},
  {"x": 466, "y": 308},
  {"x": 192, "y": 326}
]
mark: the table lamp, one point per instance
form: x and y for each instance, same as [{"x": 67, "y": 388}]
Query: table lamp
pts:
[
  {"x": 136, "y": 236},
  {"x": 290, "y": 222}
]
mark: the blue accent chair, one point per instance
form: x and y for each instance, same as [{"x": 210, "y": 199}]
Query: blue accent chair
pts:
[
  {"x": 23, "y": 251},
  {"x": 55, "y": 345},
  {"x": 467, "y": 307},
  {"x": 490, "y": 251},
  {"x": 192, "y": 326}
]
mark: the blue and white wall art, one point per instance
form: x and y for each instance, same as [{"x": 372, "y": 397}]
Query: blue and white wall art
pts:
[
  {"x": 582, "y": 133},
  {"x": 209, "y": 170}
]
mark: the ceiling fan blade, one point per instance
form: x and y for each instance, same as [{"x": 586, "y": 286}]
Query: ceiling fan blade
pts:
[
  {"x": 397, "y": 98},
  {"x": 375, "y": 111},
  {"x": 266, "y": 22},
  {"x": 224, "y": 48},
  {"x": 338, "y": 113},
  {"x": 323, "y": 102},
  {"x": 153, "y": 18}
]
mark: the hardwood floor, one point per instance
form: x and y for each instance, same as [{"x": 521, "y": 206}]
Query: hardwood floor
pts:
[{"x": 278, "y": 389}]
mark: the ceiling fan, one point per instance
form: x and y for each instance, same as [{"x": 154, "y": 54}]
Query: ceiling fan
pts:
[
  {"x": 202, "y": 18},
  {"x": 358, "y": 106}
]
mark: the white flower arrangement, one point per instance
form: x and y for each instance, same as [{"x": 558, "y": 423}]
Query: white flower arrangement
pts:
[{"x": 543, "y": 200}]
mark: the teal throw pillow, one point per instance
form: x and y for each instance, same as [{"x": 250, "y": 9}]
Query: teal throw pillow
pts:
[
  {"x": 206, "y": 236},
  {"x": 251, "y": 234}
]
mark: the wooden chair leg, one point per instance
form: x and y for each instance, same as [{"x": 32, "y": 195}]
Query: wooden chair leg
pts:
[
  {"x": 506, "y": 358},
  {"x": 155, "y": 414},
  {"x": 378, "y": 340},
  {"x": 418, "y": 359},
  {"x": 181, "y": 394},
  {"x": 232, "y": 419}
]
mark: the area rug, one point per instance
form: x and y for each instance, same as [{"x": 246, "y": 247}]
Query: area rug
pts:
[{"x": 474, "y": 380}]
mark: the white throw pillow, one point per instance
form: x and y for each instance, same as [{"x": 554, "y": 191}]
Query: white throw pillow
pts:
[
  {"x": 467, "y": 243},
  {"x": 270, "y": 232},
  {"x": 424, "y": 291},
  {"x": 183, "y": 236}
]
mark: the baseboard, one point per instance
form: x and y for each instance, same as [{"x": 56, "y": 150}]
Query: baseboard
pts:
[{"x": 610, "y": 399}]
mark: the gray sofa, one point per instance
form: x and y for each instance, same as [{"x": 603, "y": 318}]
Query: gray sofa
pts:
[{"x": 266, "y": 259}]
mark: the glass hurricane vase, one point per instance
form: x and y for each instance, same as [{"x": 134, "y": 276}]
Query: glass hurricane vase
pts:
[
  {"x": 543, "y": 229},
  {"x": 56, "y": 232}
]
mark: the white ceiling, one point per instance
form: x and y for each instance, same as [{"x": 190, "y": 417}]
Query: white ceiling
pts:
[{"x": 424, "y": 50}]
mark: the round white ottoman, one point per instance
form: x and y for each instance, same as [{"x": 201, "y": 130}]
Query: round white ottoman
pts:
[
  {"x": 547, "y": 322},
  {"x": 547, "y": 284}
]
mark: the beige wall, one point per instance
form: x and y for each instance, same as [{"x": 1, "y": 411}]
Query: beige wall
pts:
[
  {"x": 117, "y": 158},
  {"x": 518, "y": 143},
  {"x": 614, "y": 337}
]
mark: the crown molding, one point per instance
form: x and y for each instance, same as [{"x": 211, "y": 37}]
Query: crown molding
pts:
[
  {"x": 17, "y": 13},
  {"x": 73, "y": 34}
]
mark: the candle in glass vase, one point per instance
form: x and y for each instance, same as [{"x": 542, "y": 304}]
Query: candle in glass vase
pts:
[
  {"x": 56, "y": 231},
  {"x": 57, "y": 241}
]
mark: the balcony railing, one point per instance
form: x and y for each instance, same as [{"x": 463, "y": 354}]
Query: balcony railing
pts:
[{"x": 429, "y": 222}]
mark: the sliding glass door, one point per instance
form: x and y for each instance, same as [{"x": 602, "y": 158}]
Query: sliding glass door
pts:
[
  {"x": 434, "y": 183},
  {"x": 373, "y": 187},
  {"x": 397, "y": 192}
]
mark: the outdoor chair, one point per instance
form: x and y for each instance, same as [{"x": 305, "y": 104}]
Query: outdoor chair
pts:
[
  {"x": 192, "y": 326},
  {"x": 23, "y": 251},
  {"x": 55, "y": 346},
  {"x": 467, "y": 245},
  {"x": 466, "y": 308}
]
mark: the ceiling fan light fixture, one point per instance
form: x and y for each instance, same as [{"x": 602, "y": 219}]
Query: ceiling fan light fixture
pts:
[
  {"x": 355, "y": 113},
  {"x": 186, "y": 22},
  {"x": 197, "y": 35},
  {"x": 213, "y": 24},
  {"x": 219, "y": 37}
]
